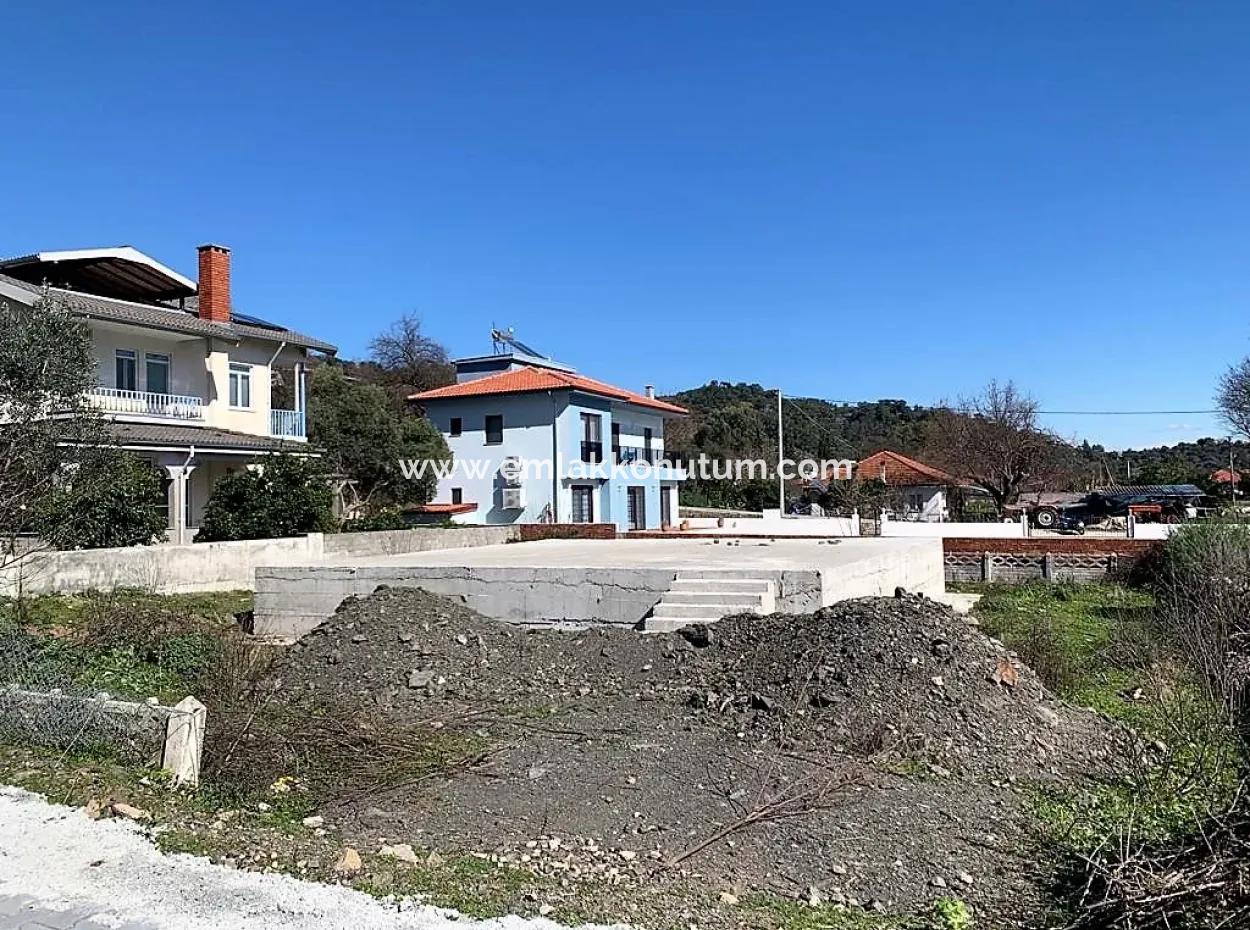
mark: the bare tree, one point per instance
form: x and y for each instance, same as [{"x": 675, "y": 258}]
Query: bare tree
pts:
[
  {"x": 410, "y": 361},
  {"x": 993, "y": 439},
  {"x": 1233, "y": 397}
]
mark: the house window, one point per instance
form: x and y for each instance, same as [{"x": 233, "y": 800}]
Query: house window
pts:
[
  {"x": 616, "y": 442},
  {"x": 494, "y": 428},
  {"x": 646, "y": 444},
  {"x": 457, "y": 495},
  {"x": 583, "y": 503},
  {"x": 156, "y": 371},
  {"x": 126, "y": 371},
  {"x": 915, "y": 501},
  {"x": 592, "y": 437},
  {"x": 240, "y": 385},
  {"x": 457, "y": 426}
]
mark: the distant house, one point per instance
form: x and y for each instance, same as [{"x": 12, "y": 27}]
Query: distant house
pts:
[
  {"x": 1225, "y": 476},
  {"x": 920, "y": 490},
  {"x": 603, "y": 445}
]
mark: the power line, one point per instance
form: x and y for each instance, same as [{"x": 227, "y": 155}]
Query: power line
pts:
[{"x": 1121, "y": 413}]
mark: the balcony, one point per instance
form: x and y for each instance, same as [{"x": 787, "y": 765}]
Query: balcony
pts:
[
  {"x": 628, "y": 454},
  {"x": 288, "y": 424},
  {"x": 146, "y": 404}
]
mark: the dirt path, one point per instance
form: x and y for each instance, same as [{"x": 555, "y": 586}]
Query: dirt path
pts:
[{"x": 60, "y": 869}]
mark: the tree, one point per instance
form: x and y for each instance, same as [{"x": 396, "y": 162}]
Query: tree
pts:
[
  {"x": 408, "y": 361},
  {"x": 48, "y": 428},
  {"x": 285, "y": 496},
  {"x": 364, "y": 438},
  {"x": 994, "y": 440},
  {"x": 1233, "y": 397},
  {"x": 109, "y": 498}
]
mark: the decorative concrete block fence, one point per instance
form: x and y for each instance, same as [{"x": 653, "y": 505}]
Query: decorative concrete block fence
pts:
[{"x": 147, "y": 732}]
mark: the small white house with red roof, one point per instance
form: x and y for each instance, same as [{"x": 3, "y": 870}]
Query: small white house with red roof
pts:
[
  {"x": 921, "y": 489},
  {"x": 535, "y": 442}
]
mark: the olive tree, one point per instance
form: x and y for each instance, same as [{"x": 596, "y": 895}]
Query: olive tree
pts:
[{"x": 49, "y": 435}]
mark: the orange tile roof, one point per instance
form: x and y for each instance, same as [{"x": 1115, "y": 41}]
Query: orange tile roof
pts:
[
  {"x": 897, "y": 469},
  {"x": 531, "y": 378},
  {"x": 442, "y": 508}
]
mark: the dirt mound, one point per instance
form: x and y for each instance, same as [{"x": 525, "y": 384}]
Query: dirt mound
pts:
[
  {"x": 905, "y": 676},
  {"x": 402, "y": 646},
  {"x": 865, "y": 751}
]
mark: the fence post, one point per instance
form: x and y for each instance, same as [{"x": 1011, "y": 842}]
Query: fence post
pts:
[
  {"x": 855, "y": 530},
  {"x": 1048, "y": 567},
  {"x": 987, "y": 566},
  {"x": 1130, "y": 525},
  {"x": 1024, "y": 525},
  {"x": 184, "y": 741}
]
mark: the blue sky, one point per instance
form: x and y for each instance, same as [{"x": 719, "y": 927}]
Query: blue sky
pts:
[{"x": 851, "y": 201}]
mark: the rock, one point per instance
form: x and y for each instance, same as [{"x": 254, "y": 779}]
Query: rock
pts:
[
  {"x": 900, "y": 591},
  {"x": 313, "y": 822},
  {"x": 401, "y": 851},
  {"x": 434, "y": 860},
  {"x": 544, "y": 910},
  {"x": 94, "y": 809},
  {"x": 628, "y": 855},
  {"x": 1005, "y": 673},
  {"x": 348, "y": 863},
  {"x": 727, "y": 898},
  {"x": 938, "y": 882},
  {"x": 420, "y": 678},
  {"x": 966, "y": 878},
  {"x": 129, "y": 811},
  {"x": 1046, "y": 715},
  {"x": 837, "y": 868}
]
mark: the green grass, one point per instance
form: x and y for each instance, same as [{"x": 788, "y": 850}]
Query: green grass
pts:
[
  {"x": 1095, "y": 645},
  {"x": 789, "y": 914},
  {"x": 132, "y": 644}
]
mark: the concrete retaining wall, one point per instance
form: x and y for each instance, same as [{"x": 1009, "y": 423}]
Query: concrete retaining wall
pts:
[
  {"x": 220, "y": 566},
  {"x": 291, "y": 601}
]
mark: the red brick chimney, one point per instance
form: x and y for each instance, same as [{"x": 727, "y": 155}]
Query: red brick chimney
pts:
[{"x": 214, "y": 286}]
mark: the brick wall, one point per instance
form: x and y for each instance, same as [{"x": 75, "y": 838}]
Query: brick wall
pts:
[
  {"x": 534, "y": 531},
  {"x": 1057, "y": 559}
]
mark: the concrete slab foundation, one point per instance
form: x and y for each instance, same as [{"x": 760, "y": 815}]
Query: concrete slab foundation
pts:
[{"x": 599, "y": 581}]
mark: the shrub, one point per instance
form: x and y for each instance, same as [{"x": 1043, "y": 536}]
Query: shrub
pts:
[
  {"x": 287, "y": 496},
  {"x": 112, "y": 499},
  {"x": 389, "y": 519},
  {"x": 1202, "y": 587}
]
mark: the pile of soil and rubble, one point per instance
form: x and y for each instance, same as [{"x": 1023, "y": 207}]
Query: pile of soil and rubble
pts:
[{"x": 872, "y": 752}]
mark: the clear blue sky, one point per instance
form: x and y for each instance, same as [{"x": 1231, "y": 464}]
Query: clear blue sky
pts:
[{"x": 848, "y": 200}]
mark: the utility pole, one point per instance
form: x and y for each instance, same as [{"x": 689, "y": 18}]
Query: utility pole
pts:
[{"x": 781, "y": 482}]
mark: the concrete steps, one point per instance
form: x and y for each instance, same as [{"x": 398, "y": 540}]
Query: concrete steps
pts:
[{"x": 705, "y": 597}]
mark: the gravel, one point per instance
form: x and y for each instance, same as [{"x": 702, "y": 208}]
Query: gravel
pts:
[{"x": 69, "y": 863}]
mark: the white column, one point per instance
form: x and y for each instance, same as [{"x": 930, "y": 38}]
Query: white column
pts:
[
  {"x": 178, "y": 475},
  {"x": 299, "y": 385}
]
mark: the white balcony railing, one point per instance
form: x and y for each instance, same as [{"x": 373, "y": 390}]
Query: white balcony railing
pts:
[
  {"x": 286, "y": 423},
  {"x": 147, "y": 404}
]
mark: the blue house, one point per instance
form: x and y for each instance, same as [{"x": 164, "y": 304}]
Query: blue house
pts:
[{"x": 535, "y": 442}]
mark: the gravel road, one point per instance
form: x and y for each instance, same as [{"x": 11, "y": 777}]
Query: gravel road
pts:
[{"x": 59, "y": 869}]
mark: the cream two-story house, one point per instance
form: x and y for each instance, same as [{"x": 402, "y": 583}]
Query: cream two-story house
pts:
[{"x": 185, "y": 380}]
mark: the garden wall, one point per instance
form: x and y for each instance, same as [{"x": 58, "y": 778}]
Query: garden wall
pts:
[
  {"x": 220, "y": 566},
  {"x": 1051, "y": 558}
]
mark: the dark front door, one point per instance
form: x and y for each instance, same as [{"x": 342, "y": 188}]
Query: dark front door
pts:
[{"x": 637, "y": 508}]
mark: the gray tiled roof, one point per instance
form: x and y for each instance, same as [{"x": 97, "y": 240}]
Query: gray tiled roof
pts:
[
  {"x": 170, "y": 319},
  {"x": 202, "y": 437}
]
